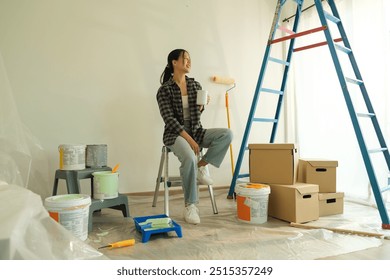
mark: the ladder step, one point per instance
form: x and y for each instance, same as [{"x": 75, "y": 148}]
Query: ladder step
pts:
[
  {"x": 265, "y": 120},
  {"x": 272, "y": 91},
  {"x": 365, "y": 115},
  {"x": 354, "y": 81},
  {"x": 342, "y": 48},
  {"x": 279, "y": 61},
  {"x": 379, "y": 150},
  {"x": 385, "y": 189},
  {"x": 246, "y": 175},
  {"x": 332, "y": 18}
]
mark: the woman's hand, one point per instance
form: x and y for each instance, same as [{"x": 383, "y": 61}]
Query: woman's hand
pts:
[{"x": 194, "y": 146}]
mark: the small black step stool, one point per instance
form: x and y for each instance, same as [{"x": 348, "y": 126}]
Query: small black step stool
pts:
[{"x": 73, "y": 177}]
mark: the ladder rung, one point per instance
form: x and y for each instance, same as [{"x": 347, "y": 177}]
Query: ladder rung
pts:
[
  {"x": 365, "y": 115},
  {"x": 264, "y": 120},
  {"x": 310, "y": 31},
  {"x": 332, "y": 18},
  {"x": 279, "y": 61},
  {"x": 246, "y": 175},
  {"x": 354, "y": 81},
  {"x": 342, "y": 48},
  {"x": 377, "y": 150},
  {"x": 315, "y": 45},
  {"x": 385, "y": 189},
  {"x": 271, "y": 91}
]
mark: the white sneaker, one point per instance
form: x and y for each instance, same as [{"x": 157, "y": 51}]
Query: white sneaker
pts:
[
  {"x": 204, "y": 176},
  {"x": 191, "y": 214}
]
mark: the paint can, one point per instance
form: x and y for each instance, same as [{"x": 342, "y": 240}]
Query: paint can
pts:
[
  {"x": 105, "y": 184},
  {"x": 71, "y": 211},
  {"x": 252, "y": 202},
  {"x": 96, "y": 156},
  {"x": 72, "y": 157}
]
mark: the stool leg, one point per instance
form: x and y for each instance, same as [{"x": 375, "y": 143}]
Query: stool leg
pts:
[
  {"x": 72, "y": 182},
  {"x": 158, "y": 180},
  {"x": 166, "y": 188},
  {"x": 211, "y": 192},
  {"x": 55, "y": 185}
]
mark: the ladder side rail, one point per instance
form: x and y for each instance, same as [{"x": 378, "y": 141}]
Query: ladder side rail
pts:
[
  {"x": 249, "y": 122},
  {"x": 353, "y": 115},
  {"x": 363, "y": 89},
  {"x": 285, "y": 73},
  {"x": 255, "y": 98}
]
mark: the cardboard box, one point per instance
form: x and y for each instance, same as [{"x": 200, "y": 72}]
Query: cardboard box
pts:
[
  {"x": 331, "y": 203},
  {"x": 294, "y": 203},
  {"x": 318, "y": 171},
  {"x": 273, "y": 163}
]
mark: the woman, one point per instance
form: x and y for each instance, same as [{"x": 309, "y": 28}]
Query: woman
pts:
[{"x": 183, "y": 132}]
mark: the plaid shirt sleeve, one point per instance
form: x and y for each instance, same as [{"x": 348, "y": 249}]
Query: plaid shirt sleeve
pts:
[
  {"x": 169, "y": 114},
  {"x": 171, "y": 110}
]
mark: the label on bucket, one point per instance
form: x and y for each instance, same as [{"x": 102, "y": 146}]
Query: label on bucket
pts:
[
  {"x": 72, "y": 157},
  {"x": 71, "y": 211},
  {"x": 252, "y": 203}
]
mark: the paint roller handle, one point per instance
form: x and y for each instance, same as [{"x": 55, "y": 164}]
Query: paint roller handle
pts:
[
  {"x": 227, "y": 100},
  {"x": 115, "y": 169}
]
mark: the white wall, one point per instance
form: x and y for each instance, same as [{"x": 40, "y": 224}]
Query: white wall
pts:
[{"x": 87, "y": 72}]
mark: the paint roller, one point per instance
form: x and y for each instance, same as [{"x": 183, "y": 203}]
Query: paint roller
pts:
[
  {"x": 226, "y": 81},
  {"x": 223, "y": 80}
]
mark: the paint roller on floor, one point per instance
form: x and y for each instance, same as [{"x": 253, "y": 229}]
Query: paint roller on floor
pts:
[{"x": 227, "y": 81}]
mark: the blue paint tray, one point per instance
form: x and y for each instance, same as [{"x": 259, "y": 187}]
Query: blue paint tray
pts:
[{"x": 146, "y": 233}]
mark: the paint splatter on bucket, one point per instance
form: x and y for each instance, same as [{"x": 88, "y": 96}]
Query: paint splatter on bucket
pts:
[
  {"x": 105, "y": 184},
  {"x": 71, "y": 211},
  {"x": 72, "y": 157},
  {"x": 96, "y": 156},
  {"x": 252, "y": 202}
]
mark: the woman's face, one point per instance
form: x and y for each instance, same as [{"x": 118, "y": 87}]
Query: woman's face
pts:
[{"x": 183, "y": 64}]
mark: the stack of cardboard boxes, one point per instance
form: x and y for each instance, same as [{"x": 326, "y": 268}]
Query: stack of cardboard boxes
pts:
[{"x": 302, "y": 190}]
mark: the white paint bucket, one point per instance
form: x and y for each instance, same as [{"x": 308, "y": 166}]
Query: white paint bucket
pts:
[
  {"x": 252, "y": 202},
  {"x": 105, "y": 184},
  {"x": 71, "y": 211},
  {"x": 72, "y": 157},
  {"x": 96, "y": 156}
]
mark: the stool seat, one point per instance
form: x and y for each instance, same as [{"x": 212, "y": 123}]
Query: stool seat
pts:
[{"x": 73, "y": 177}]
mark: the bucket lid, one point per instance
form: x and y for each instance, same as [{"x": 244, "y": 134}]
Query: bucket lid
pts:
[
  {"x": 253, "y": 189},
  {"x": 70, "y": 146},
  {"x": 67, "y": 200},
  {"x": 105, "y": 173},
  {"x": 96, "y": 145}
]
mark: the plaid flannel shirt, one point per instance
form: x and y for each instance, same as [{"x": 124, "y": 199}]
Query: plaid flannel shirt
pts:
[{"x": 171, "y": 109}]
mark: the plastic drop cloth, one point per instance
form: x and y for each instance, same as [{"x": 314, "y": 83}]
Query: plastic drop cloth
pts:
[
  {"x": 22, "y": 159},
  {"x": 223, "y": 237},
  {"x": 29, "y": 233}
]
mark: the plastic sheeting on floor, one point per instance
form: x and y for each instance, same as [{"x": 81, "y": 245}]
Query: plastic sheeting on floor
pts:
[
  {"x": 28, "y": 232},
  {"x": 223, "y": 237}
]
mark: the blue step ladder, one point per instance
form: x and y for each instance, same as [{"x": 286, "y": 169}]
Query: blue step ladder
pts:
[{"x": 344, "y": 48}]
